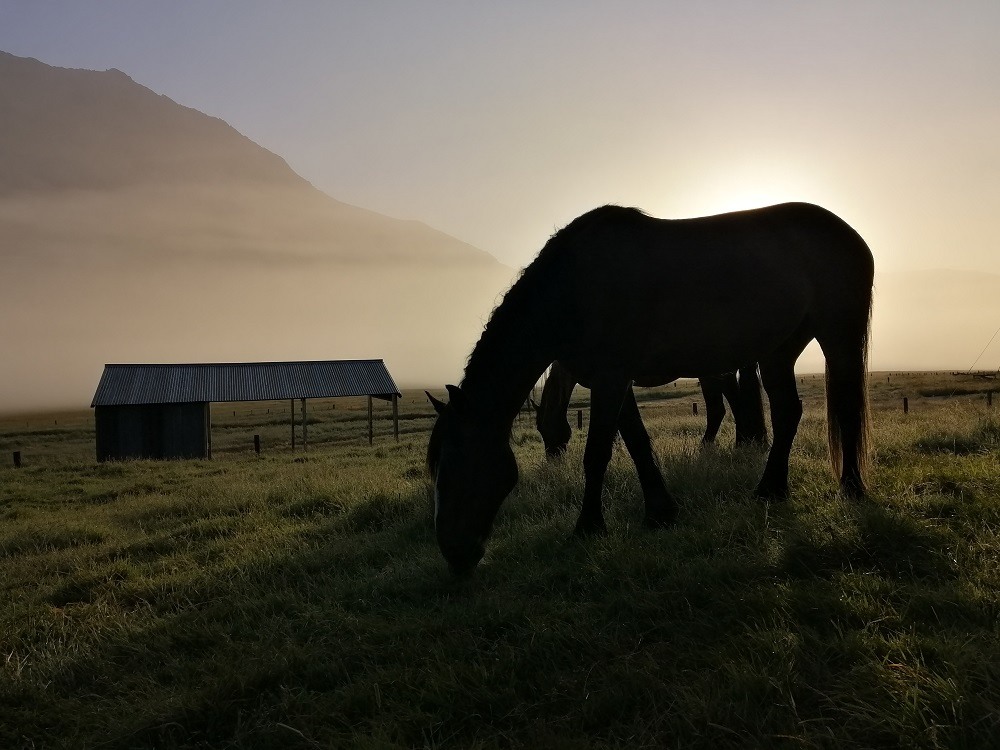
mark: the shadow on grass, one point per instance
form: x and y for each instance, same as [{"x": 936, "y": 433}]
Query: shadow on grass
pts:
[
  {"x": 868, "y": 539},
  {"x": 982, "y": 439},
  {"x": 745, "y": 625}
]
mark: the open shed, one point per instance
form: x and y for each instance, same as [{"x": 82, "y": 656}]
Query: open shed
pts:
[{"x": 163, "y": 410}]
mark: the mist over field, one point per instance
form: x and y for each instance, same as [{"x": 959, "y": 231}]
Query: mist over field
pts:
[
  {"x": 930, "y": 320},
  {"x": 137, "y": 230},
  {"x": 936, "y": 320},
  {"x": 134, "y": 229}
]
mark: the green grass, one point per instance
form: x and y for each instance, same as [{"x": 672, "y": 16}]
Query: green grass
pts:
[{"x": 299, "y": 601}]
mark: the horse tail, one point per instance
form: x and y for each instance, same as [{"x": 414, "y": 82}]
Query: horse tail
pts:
[{"x": 847, "y": 406}]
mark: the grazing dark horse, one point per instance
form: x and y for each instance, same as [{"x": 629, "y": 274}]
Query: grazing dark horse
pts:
[
  {"x": 743, "y": 395},
  {"x": 621, "y": 298}
]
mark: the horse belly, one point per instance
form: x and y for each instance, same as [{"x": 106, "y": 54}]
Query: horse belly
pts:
[{"x": 718, "y": 338}]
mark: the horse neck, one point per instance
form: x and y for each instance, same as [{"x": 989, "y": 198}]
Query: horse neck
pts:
[
  {"x": 503, "y": 369},
  {"x": 500, "y": 393}
]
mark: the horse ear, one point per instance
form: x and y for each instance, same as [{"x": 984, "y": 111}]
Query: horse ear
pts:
[
  {"x": 456, "y": 397},
  {"x": 439, "y": 406}
]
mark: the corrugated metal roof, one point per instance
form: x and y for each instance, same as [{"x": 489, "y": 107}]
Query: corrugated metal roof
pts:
[{"x": 245, "y": 381}]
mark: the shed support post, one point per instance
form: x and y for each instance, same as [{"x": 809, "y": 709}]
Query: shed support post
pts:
[
  {"x": 371, "y": 434},
  {"x": 395, "y": 416},
  {"x": 291, "y": 410},
  {"x": 305, "y": 428},
  {"x": 208, "y": 427}
]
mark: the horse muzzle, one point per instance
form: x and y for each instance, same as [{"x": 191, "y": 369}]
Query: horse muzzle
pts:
[{"x": 461, "y": 556}]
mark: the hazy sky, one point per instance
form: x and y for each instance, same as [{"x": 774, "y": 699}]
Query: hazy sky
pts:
[{"x": 499, "y": 122}]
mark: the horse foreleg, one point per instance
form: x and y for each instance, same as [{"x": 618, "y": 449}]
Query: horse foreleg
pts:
[
  {"x": 606, "y": 395},
  {"x": 786, "y": 411},
  {"x": 661, "y": 508},
  {"x": 750, "y": 427},
  {"x": 712, "y": 389}
]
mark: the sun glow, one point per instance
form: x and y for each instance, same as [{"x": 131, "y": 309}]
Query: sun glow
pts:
[
  {"x": 740, "y": 200},
  {"x": 752, "y": 185},
  {"x": 739, "y": 193}
]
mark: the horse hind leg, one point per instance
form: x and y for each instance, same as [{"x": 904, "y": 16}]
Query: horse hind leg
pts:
[
  {"x": 661, "y": 508},
  {"x": 786, "y": 412},
  {"x": 778, "y": 375}
]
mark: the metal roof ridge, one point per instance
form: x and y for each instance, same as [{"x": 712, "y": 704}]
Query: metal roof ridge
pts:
[
  {"x": 159, "y": 383},
  {"x": 237, "y": 364}
]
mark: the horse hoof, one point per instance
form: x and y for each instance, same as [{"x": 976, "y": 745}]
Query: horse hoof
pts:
[
  {"x": 590, "y": 529},
  {"x": 663, "y": 520},
  {"x": 771, "y": 494},
  {"x": 853, "y": 491}
]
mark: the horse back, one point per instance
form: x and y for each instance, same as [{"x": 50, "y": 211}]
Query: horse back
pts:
[{"x": 709, "y": 292}]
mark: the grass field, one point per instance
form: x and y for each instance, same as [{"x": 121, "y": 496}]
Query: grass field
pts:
[{"x": 298, "y": 600}]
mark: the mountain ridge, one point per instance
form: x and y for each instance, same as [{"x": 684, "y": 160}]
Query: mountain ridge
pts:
[
  {"x": 74, "y": 133},
  {"x": 65, "y": 111},
  {"x": 133, "y": 228}
]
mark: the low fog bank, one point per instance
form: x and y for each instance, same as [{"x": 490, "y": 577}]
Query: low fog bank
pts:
[
  {"x": 64, "y": 320},
  {"x": 216, "y": 273},
  {"x": 929, "y": 320},
  {"x": 936, "y": 320},
  {"x": 63, "y": 326},
  {"x": 219, "y": 221}
]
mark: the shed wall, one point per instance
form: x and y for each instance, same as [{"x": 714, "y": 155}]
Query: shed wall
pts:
[{"x": 152, "y": 431}]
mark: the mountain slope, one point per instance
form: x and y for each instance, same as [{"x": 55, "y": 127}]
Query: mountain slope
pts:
[
  {"x": 84, "y": 129},
  {"x": 96, "y": 148},
  {"x": 135, "y": 229}
]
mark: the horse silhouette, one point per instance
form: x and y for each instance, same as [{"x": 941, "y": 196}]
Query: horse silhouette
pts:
[
  {"x": 622, "y": 298},
  {"x": 742, "y": 393}
]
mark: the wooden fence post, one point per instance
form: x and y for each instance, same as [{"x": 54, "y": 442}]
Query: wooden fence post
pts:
[
  {"x": 17, "y": 459},
  {"x": 256, "y": 444},
  {"x": 694, "y": 408},
  {"x": 395, "y": 416},
  {"x": 579, "y": 419},
  {"x": 305, "y": 428},
  {"x": 989, "y": 399},
  {"x": 371, "y": 433},
  {"x": 906, "y": 405}
]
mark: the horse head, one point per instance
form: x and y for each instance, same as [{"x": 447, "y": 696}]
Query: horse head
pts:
[
  {"x": 473, "y": 469},
  {"x": 554, "y": 428}
]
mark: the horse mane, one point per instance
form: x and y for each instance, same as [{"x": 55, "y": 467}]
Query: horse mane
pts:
[
  {"x": 510, "y": 317},
  {"x": 536, "y": 297}
]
